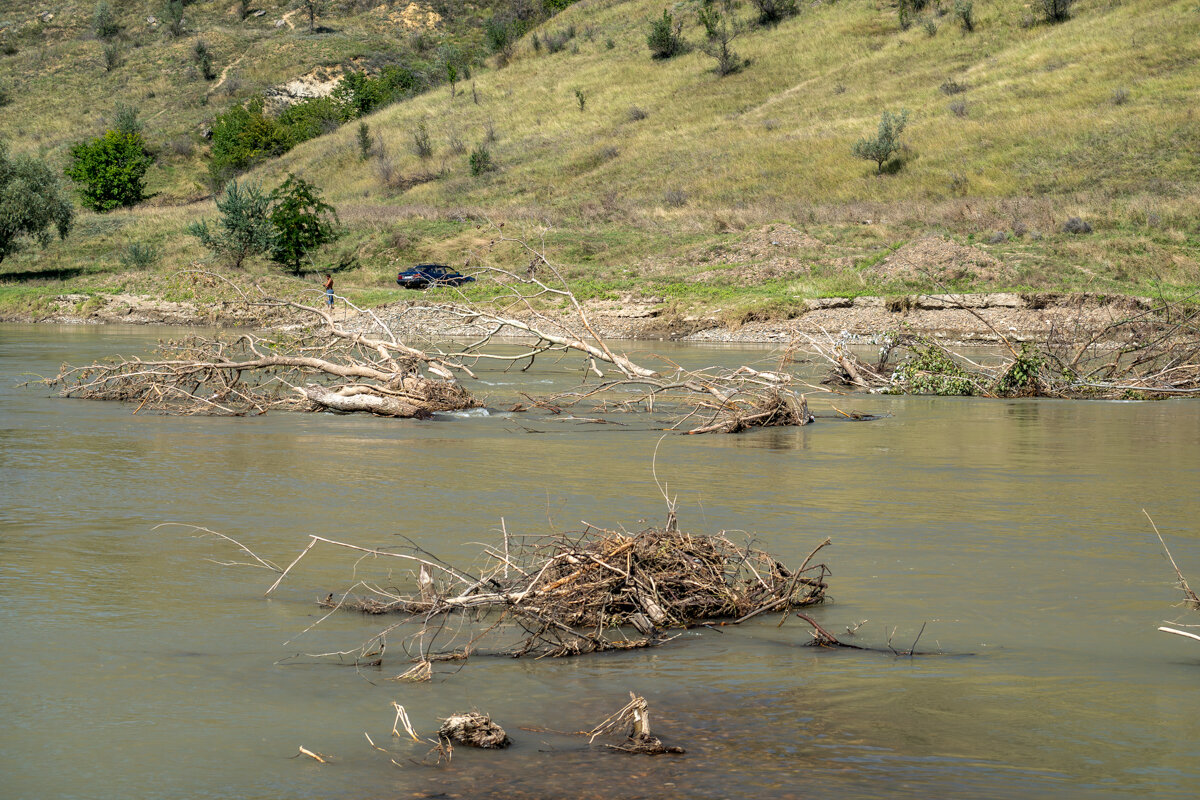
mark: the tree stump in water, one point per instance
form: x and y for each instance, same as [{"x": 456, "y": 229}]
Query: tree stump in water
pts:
[{"x": 474, "y": 729}]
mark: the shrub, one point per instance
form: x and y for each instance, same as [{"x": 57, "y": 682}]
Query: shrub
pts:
[
  {"x": 32, "y": 199},
  {"x": 364, "y": 140},
  {"x": 111, "y": 55},
  {"x": 930, "y": 27},
  {"x": 772, "y": 12},
  {"x": 1056, "y": 10},
  {"x": 665, "y": 39},
  {"x": 580, "y": 98},
  {"x": 302, "y": 222},
  {"x": 1076, "y": 225},
  {"x": 556, "y": 41},
  {"x": 172, "y": 15},
  {"x": 481, "y": 160},
  {"x": 110, "y": 171},
  {"x": 958, "y": 108},
  {"x": 885, "y": 143},
  {"x": 204, "y": 62},
  {"x": 125, "y": 119},
  {"x": 637, "y": 114},
  {"x": 675, "y": 198},
  {"x": 243, "y": 229},
  {"x": 139, "y": 256},
  {"x": 422, "y": 143},
  {"x": 952, "y": 87},
  {"x": 104, "y": 21},
  {"x": 1119, "y": 97},
  {"x": 965, "y": 11},
  {"x": 5, "y": 95}
]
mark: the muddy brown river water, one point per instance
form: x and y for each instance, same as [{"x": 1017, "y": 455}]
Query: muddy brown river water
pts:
[{"x": 134, "y": 667}]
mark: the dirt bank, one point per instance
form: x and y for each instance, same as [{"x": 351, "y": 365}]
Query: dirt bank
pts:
[{"x": 958, "y": 318}]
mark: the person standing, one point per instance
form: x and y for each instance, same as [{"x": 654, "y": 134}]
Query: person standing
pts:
[{"x": 329, "y": 290}]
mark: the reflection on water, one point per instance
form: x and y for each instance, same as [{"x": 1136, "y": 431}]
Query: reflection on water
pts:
[{"x": 134, "y": 667}]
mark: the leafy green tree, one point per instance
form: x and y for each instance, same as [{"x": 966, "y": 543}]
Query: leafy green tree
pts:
[
  {"x": 110, "y": 171},
  {"x": 32, "y": 199},
  {"x": 302, "y": 221},
  {"x": 885, "y": 143},
  {"x": 665, "y": 39},
  {"x": 244, "y": 228}
]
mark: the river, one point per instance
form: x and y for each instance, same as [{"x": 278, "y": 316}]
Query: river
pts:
[{"x": 135, "y": 666}]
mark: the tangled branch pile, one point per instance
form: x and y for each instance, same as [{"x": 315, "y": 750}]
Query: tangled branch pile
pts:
[
  {"x": 1156, "y": 354},
  {"x": 572, "y": 594}
]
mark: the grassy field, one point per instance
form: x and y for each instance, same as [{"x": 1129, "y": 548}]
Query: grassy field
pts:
[{"x": 734, "y": 195}]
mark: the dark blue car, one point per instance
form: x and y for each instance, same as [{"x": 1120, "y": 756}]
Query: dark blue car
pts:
[{"x": 423, "y": 275}]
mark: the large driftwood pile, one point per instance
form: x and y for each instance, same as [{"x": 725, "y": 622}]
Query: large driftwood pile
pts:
[{"x": 570, "y": 594}]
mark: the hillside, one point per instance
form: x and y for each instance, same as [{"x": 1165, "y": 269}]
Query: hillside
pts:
[{"x": 734, "y": 195}]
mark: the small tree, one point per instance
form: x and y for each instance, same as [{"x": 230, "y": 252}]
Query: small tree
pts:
[
  {"x": 110, "y": 171},
  {"x": 1057, "y": 10},
  {"x": 721, "y": 28},
  {"x": 312, "y": 9},
  {"x": 302, "y": 222},
  {"x": 665, "y": 39},
  {"x": 32, "y": 199},
  {"x": 244, "y": 228},
  {"x": 886, "y": 142}
]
